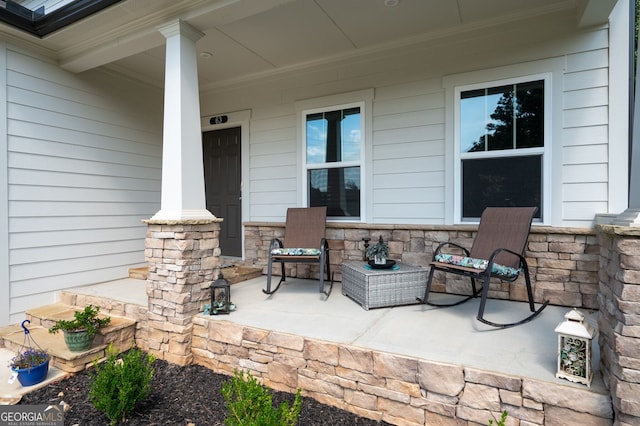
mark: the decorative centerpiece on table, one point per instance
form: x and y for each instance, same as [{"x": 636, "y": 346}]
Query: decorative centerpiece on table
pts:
[
  {"x": 82, "y": 329},
  {"x": 378, "y": 254},
  {"x": 31, "y": 365}
]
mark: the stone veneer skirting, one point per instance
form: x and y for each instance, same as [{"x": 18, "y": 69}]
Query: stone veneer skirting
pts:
[
  {"x": 619, "y": 319},
  {"x": 384, "y": 386},
  {"x": 588, "y": 268},
  {"x": 563, "y": 262}
]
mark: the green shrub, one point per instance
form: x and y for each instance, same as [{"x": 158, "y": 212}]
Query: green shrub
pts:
[
  {"x": 119, "y": 383},
  {"x": 250, "y": 404}
]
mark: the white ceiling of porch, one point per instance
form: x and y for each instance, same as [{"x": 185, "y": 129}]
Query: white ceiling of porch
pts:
[{"x": 252, "y": 37}]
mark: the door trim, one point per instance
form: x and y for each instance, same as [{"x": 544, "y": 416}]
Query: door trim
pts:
[{"x": 236, "y": 119}]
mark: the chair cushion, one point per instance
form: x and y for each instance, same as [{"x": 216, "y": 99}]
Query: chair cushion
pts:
[
  {"x": 295, "y": 252},
  {"x": 480, "y": 264}
]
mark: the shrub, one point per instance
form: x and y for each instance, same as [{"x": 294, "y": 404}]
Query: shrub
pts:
[
  {"x": 119, "y": 383},
  {"x": 250, "y": 403}
]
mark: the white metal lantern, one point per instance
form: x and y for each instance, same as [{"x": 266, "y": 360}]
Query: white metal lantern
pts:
[{"x": 575, "y": 336}]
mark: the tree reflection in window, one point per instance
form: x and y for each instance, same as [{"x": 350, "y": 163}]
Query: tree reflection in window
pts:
[
  {"x": 333, "y": 141},
  {"x": 508, "y": 117},
  {"x": 504, "y": 119}
]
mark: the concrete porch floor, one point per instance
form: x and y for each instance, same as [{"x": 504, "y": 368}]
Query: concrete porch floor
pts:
[{"x": 449, "y": 335}]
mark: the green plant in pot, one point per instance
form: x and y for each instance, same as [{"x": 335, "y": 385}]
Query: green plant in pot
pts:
[
  {"x": 378, "y": 252},
  {"x": 82, "y": 329}
]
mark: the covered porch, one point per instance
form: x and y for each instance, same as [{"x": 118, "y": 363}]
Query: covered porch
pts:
[{"x": 405, "y": 365}]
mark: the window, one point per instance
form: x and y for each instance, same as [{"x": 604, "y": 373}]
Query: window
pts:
[
  {"x": 501, "y": 146},
  {"x": 333, "y": 159}
]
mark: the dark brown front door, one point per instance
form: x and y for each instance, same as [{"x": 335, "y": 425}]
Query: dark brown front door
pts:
[{"x": 222, "y": 181}]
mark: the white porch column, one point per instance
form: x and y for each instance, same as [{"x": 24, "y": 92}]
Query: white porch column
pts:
[
  {"x": 631, "y": 216},
  {"x": 183, "y": 195}
]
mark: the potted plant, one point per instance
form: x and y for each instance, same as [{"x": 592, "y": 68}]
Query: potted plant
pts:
[
  {"x": 31, "y": 365},
  {"x": 378, "y": 252},
  {"x": 80, "y": 332}
]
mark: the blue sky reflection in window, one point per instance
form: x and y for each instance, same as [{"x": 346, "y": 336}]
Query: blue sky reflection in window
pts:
[{"x": 333, "y": 147}]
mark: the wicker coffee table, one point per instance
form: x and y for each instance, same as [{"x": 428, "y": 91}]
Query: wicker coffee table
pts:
[{"x": 376, "y": 288}]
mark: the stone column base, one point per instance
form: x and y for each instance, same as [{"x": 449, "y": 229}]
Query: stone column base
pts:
[{"x": 184, "y": 259}]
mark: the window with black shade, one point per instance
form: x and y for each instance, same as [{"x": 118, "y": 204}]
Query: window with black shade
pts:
[
  {"x": 501, "y": 182},
  {"x": 502, "y": 142},
  {"x": 333, "y": 160}
]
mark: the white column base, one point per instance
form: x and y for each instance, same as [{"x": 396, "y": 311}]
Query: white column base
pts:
[{"x": 182, "y": 215}]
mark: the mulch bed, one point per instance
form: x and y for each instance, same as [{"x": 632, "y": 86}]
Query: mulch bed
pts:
[{"x": 182, "y": 395}]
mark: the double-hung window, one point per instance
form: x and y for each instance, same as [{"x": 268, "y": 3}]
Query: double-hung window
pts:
[
  {"x": 333, "y": 159},
  {"x": 501, "y": 130}
]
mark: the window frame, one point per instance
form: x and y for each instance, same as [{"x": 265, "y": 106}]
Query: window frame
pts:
[
  {"x": 306, "y": 167},
  {"x": 545, "y": 151},
  {"x": 362, "y": 99}
]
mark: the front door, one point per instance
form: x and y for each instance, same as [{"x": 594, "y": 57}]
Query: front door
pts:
[{"x": 222, "y": 182}]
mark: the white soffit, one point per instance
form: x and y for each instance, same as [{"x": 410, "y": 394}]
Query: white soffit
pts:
[{"x": 249, "y": 37}]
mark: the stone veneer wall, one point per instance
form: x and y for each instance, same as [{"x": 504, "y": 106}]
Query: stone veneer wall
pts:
[
  {"x": 619, "y": 319},
  {"x": 184, "y": 259},
  {"x": 563, "y": 262},
  {"x": 393, "y": 388},
  {"x": 397, "y": 389}
]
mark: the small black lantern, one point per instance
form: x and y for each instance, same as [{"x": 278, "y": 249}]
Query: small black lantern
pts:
[{"x": 220, "y": 297}]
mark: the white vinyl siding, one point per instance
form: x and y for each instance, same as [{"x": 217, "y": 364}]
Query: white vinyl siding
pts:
[
  {"x": 408, "y": 154},
  {"x": 84, "y": 168},
  {"x": 409, "y": 176},
  {"x": 585, "y": 156},
  {"x": 273, "y": 165}
]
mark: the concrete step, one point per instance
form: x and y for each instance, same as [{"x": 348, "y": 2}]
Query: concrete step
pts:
[{"x": 120, "y": 333}]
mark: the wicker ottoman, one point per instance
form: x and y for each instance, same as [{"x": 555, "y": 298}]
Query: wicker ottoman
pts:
[{"x": 376, "y": 288}]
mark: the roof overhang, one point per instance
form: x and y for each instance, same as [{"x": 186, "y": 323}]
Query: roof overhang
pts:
[
  {"x": 38, "y": 23},
  {"x": 245, "y": 39},
  {"x": 595, "y": 12}
]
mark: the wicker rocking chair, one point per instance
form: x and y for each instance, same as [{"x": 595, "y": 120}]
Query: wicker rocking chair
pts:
[
  {"x": 304, "y": 242},
  {"x": 497, "y": 251}
]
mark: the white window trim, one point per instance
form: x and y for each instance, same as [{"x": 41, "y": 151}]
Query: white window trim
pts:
[
  {"x": 550, "y": 71},
  {"x": 362, "y": 99}
]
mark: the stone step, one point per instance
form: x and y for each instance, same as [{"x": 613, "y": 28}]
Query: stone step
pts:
[
  {"x": 139, "y": 273},
  {"x": 120, "y": 333},
  {"x": 237, "y": 273}
]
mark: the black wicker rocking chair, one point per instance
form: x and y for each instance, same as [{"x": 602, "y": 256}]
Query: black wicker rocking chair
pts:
[
  {"x": 304, "y": 242},
  {"x": 497, "y": 251}
]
